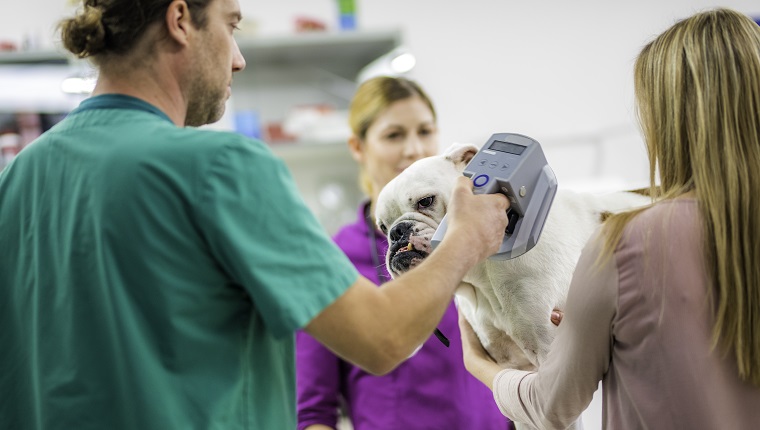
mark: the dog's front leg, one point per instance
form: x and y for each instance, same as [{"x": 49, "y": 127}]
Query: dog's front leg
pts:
[
  {"x": 478, "y": 311},
  {"x": 465, "y": 299}
]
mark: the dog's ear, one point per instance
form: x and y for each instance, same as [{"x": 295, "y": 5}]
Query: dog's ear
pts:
[{"x": 460, "y": 154}]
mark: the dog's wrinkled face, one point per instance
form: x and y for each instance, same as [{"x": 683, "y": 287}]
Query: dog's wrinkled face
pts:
[{"x": 410, "y": 207}]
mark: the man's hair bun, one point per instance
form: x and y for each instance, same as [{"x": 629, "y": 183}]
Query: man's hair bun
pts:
[{"x": 84, "y": 34}]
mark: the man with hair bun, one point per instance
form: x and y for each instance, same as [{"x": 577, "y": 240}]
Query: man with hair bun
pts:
[{"x": 152, "y": 275}]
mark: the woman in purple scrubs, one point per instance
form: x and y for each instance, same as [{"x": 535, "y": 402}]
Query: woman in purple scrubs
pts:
[{"x": 393, "y": 124}]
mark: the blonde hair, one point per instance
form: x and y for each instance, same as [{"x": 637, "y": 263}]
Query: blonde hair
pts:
[
  {"x": 697, "y": 90},
  {"x": 371, "y": 99}
]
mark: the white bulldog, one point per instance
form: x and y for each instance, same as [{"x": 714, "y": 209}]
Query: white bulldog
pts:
[{"x": 507, "y": 302}]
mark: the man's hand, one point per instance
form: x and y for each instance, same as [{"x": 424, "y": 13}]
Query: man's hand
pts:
[{"x": 477, "y": 221}]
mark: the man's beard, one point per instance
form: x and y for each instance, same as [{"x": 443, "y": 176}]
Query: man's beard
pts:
[{"x": 205, "y": 104}]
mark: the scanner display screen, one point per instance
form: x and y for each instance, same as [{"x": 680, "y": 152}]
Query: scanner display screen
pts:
[{"x": 510, "y": 148}]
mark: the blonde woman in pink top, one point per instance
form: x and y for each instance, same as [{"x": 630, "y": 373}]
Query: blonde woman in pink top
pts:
[{"x": 664, "y": 307}]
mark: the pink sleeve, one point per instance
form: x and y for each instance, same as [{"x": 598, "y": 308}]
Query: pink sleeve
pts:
[{"x": 563, "y": 387}]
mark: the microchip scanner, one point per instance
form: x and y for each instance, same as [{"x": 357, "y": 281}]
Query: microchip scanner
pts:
[{"x": 514, "y": 165}]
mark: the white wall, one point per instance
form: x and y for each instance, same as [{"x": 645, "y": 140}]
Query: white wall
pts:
[
  {"x": 555, "y": 70},
  {"x": 31, "y": 21},
  {"x": 558, "y": 71}
]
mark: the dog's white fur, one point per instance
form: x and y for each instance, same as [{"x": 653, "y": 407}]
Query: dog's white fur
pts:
[{"x": 507, "y": 302}]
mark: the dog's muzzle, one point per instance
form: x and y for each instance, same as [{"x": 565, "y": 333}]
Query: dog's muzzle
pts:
[{"x": 402, "y": 253}]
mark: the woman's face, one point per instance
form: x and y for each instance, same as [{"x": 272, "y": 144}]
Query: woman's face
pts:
[{"x": 398, "y": 137}]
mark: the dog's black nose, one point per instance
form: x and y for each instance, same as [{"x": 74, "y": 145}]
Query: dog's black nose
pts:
[{"x": 399, "y": 231}]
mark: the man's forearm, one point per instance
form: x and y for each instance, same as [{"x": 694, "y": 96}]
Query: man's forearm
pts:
[
  {"x": 419, "y": 298},
  {"x": 378, "y": 328}
]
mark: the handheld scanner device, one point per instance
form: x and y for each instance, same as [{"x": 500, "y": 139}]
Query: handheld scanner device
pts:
[{"x": 514, "y": 165}]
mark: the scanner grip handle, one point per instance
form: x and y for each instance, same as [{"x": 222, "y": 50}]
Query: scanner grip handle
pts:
[{"x": 439, "y": 232}]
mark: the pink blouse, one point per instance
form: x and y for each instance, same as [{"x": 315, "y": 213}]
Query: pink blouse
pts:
[{"x": 641, "y": 323}]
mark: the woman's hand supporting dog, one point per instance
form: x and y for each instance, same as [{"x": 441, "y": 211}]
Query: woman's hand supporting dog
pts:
[
  {"x": 476, "y": 358},
  {"x": 557, "y": 316}
]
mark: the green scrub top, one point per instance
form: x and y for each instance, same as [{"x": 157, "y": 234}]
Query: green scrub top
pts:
[{"x": 152, "y": 276}]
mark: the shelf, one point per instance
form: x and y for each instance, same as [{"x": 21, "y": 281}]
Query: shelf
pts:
[
  {"x": 326, "y": 48},
  {"x": 304, "y": 152},
  {"x": 302, "y": 69},
  {"x": 340, "y": 53},
  {"x": 33, "y": 57}
]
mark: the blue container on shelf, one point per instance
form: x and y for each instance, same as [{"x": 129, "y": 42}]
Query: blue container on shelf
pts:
[
  {"x": 347, "y": 14},
  {"x": 248, "y": 124},
  {"x": 347, "y": 22}
]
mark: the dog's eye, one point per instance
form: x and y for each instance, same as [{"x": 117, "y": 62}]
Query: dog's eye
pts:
[
  {"x": 383, "y": 228},
  {"x": 426, "y": 202}
]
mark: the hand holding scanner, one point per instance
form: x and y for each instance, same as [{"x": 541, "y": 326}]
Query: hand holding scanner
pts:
[{"x": 514, "y": 165}]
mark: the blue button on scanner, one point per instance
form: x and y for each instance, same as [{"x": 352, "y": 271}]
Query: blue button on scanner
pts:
[{"x": 481, "y": 180}]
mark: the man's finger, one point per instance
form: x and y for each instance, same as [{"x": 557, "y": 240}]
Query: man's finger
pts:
[{"x": 465, "y": 182}]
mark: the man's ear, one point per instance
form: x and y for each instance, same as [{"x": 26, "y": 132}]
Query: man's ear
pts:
[
  {"x": 460, "y": 154},
  {"x": 178, "y": 21}
]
